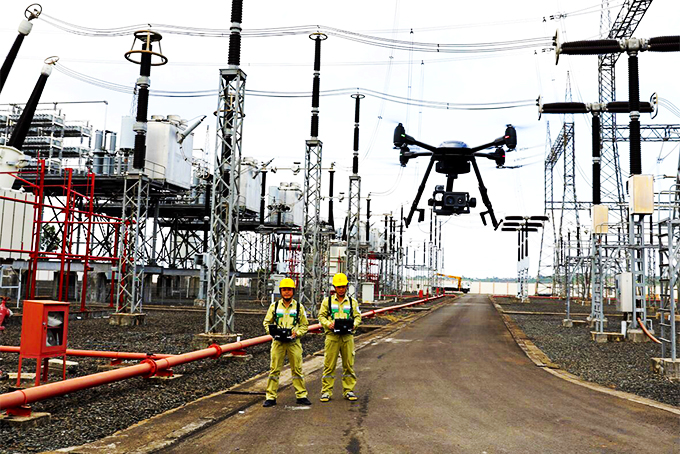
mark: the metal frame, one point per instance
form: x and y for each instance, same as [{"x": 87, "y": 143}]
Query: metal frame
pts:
[{"x": 224, "y": 220}]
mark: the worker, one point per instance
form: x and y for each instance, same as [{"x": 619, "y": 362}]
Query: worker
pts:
[
  {"x": 288, "y": 319},
  {"x": 339, "y": 338}
]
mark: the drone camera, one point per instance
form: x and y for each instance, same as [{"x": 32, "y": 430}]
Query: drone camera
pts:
[{"x": 447, "y": 202}]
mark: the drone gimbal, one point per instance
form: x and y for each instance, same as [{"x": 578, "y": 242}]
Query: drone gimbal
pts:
[{"x": 453, "y": 159}]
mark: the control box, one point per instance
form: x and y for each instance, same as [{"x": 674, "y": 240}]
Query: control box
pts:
[{"x": 624, "y": 292}]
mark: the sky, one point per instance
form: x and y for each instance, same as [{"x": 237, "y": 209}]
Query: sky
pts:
[{"x": 277, "y": 127}]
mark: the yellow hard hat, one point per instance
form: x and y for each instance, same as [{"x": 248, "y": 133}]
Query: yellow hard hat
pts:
[
  {"x": 287, "y": 283},
  {"x": 339, "y": 280}
]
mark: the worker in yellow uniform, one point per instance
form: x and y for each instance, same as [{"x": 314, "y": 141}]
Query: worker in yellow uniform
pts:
[
  {"x": 286, "y": 322},
  {"x": 339, "y": 317}
]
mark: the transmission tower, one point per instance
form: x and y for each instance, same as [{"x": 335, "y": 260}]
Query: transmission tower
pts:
[{"x": 223, "y": 240}]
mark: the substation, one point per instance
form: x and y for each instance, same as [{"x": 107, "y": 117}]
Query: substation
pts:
[{"x": 111, "y": 227}]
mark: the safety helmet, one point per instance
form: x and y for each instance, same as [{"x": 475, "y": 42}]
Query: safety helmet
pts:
[
  {"x": 339, "y": 280},
  {"x": 287, "y": 283}
]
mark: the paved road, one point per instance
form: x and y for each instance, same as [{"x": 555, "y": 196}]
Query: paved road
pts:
[{"x": 452, "y": 382}]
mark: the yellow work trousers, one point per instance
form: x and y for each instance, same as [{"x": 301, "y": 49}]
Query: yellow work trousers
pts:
[
  {"x": 279, "y": 351},
  {"x": 344, "y": 344}
]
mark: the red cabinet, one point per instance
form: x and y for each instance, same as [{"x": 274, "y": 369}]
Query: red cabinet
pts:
[{"x": 44, "y": 331}]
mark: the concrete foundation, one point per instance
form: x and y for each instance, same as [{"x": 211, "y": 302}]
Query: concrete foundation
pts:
[
  {"x": 592, "y": 321},
  {"x": 603, "y": 338},
  {"x": 24, "y": 422},
  {"x": 567, "y": 323},
  {"x": 637, "y": 335},
  {"x": 57, "y": 365},
  {"x": 667, "y": 367},
  {"x": 123, "y": 319},
  {"x": 205, "y": 340}
]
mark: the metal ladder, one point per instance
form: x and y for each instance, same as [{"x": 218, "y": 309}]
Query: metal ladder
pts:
[
  {"x": 597, "y": 308},
  {"x": 637, "y": 268},
  {"x": 669, "y": 267}
]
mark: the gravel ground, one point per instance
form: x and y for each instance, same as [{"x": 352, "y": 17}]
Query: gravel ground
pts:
[
  {"x": 625, "y": 366},
  {"x": 88, "y": 415}
]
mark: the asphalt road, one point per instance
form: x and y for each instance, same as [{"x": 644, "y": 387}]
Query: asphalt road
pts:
[{"x": 454, "y": 381}]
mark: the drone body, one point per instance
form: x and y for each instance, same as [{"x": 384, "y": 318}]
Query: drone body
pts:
[{"x": 453, "y": 158}]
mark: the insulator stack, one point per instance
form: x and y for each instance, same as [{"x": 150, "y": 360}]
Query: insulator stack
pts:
[
  {"x": 592, "y": 47},
  {"x": 235, "y": 36},
  {"x": 317, "y": 37},
  {"x": 634, "y": 102},
  {"x": 596, "y": 158},
  {"x": 331, "y": 216},
  {"x": 24, "y": 122},
  {"x": 355, "y": 156},
  {"x": 368, "y": 218},
  {"x": 664, "y": 44},
  {"x": 25, "y": 28},
  {"x": 146, "y": 53}
]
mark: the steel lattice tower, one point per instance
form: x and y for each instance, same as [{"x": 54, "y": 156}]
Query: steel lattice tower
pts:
[
  {"x": 312, "y": 279},
  {"x": 223, "y": 239},
  {"x": 354, "y": 207}
]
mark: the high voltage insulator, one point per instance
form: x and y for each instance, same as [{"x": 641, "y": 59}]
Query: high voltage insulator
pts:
[
  {"x": 25, "y": 28},
  {"x": 24, "y": 123}
]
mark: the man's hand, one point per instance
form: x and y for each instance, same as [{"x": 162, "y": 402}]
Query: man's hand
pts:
[
  {"x": 293, "y": 334},
  {"x": 332, "y": 325}
]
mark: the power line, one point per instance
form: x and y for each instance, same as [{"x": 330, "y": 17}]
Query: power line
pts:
[
  {"x": 390, "y": 43},
  {"x": 301, "y": 94}
]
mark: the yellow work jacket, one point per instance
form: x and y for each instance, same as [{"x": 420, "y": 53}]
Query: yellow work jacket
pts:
[
  {"x": 329, "y": 312},
  {"x": 284, "y": 317}
]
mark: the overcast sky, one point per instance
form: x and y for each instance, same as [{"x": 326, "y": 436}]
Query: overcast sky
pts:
[{"x": 278, "y": 127}]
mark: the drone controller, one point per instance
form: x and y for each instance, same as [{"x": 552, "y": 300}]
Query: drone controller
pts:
[{"x": 281, "y": 334}]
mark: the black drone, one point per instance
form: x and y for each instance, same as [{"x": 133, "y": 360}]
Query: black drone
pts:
[{"x": 453, "y": 159}]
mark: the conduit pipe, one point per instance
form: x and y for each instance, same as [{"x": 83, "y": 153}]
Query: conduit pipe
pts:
[
  {"x": 646, "y": 331},
  {"x": 149, "y": 367},
  {"x": 97, "y": 354}
]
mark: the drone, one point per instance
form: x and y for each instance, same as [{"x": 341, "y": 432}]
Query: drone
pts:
[{"x": 453, "y": 158}]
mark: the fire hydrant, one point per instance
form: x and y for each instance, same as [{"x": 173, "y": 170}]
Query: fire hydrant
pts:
[{"x": 5, "y": 312}]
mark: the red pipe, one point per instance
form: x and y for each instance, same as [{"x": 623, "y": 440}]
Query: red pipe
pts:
[
  {"x": 650, "y": 335},
  {"x": 95, "y": 353},
  {"x": 147, "y": 368}
]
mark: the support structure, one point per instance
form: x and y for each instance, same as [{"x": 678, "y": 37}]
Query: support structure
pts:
[
  {"x": 224, "y": 220},
  {"x": 312, "y": 281},
  {"x": 134, "y": 254},
  {"x": 354, "y": 208}
]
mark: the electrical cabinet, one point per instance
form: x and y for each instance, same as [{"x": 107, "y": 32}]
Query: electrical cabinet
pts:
[
  {"x": 624, "y": 292},
  {"x": 44, "y": 330}
]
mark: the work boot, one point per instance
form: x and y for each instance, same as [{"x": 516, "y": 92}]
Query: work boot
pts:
[
  {"x": 351, "y": 396},
  {"x": 303, "y": 401},
  {"x": 325, "y": 397},
  {"x": 269, "y": 403}
]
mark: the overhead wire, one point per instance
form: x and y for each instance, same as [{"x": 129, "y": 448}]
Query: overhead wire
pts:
[
  {"x": 391, "y": 43},
  {"x": 304, "y": 94}
]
